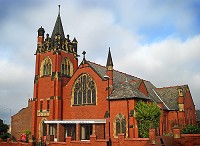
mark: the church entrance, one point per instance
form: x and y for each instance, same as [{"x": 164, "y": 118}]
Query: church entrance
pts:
[
  {"x": 42, "y": 129},
  {"x": 77, "y": 129}
]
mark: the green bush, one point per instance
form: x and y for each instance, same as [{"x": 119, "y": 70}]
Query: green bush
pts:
[
  {"x": 5, "y": 136},
  {"x": 191, "y": 129},
  {"x": 148, "y": 116}
]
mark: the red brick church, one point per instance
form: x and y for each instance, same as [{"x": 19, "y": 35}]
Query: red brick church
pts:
[{"x": 78, "y": 100}]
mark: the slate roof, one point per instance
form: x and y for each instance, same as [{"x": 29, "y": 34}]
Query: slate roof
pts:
[
  {"x": 150, "y": 88},
  {"x": 118, "y": 77},
  {"x": 126, "y": 86},
  {"x": 127, "y": 90},
  {"x": 58, "y": 28},
  {"x": 169, "y": 95}
]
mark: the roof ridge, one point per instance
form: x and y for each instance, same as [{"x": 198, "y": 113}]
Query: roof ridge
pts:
[
  {"x": 96, "y": 63},
  {"x": 160, "y": 88},
  {"x": 130, "y": 81},
  {"x": 117, "y": 70},
  {"x": 126, "y": 74}
]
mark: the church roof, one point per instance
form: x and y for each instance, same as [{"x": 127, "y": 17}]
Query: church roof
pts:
[
  {"x": 126, "y": 86},
  {"x": 169, "y": 95},
  {"x": 121, "y": 90},
  {"x": 117, "y": 76},
  {"x": 127, "y": 90},
  {"x": 150, "y": 89}
]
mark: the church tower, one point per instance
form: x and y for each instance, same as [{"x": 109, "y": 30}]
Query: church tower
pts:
[{"x": 56, "y": 62}]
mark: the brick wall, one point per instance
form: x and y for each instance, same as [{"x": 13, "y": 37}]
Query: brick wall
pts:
[
  {"x": 90, "y": 111},
  {"x": 21, "y": 121},
  {"x": 184, "y": 140},
  {"x": 187, "y": 140},
  {"x": 49, "y": 88},
  {"x": 99, "y": 131}
]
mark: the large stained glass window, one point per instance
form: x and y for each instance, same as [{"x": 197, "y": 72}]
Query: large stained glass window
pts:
[{"x": 84, "y": 90}]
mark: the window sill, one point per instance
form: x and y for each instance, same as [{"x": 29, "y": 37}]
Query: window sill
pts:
[
  {"x": 85, "y": 140},
  {"x": 86, "y": 104}
]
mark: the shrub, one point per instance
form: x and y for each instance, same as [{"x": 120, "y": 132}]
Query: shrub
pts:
[
  {"x": 147, "y": 115},
  {"x": 5, "y": 136},
  {"x": 191, "y": 129}
]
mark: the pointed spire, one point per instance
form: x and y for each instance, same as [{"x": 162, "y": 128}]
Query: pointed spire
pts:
[
  {"x": 109, "y": 60},
  {"x": 109, "y": 67},
  {"x": 58, "y": 28},
  {"x": 74, "y": 41},
  {"x": 58, "y": 10}
]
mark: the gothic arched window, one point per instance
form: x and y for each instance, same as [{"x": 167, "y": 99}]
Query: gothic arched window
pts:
[
  {"x": 84, "y": 90},
  {"x": 66, "y": 67},
  {"x": 46, "y": 67},
  {"x": 120, "y": 125}
]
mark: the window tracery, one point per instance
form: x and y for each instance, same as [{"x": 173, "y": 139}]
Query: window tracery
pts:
[
  {"x": 120, "y": 125},
  {"x": 84, "y": 90},
  {"x": 66, "y": 67},
  {"x": 46, "y": 67}
]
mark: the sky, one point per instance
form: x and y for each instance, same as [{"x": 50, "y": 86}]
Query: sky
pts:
[{"x": 155, "y": 40}]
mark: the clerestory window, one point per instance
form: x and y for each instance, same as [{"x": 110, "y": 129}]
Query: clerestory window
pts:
[
  {"x": 84, "y": 90},
  {"x": 46, "y": 67},
  {"x": 66, "y": 67}
]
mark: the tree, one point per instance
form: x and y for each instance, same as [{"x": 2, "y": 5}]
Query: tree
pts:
[
  {"x": 147, "y": 115},
  {"x": 3, "y": 127}
]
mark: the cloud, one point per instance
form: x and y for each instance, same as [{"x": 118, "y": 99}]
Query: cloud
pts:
[{"x": 167, "y": 62}]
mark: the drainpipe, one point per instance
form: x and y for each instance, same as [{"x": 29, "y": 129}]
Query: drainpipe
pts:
[{"x": 127, "y": 105}]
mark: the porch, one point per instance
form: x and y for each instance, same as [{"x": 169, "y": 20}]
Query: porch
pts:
[{"x": 78, "y": 130}]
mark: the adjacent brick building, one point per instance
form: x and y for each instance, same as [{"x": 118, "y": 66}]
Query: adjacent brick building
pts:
[
  {"x": 21, "y": 122},
  {"x": 80, "y": 100}
]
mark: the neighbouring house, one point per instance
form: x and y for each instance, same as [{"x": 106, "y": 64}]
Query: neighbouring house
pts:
[
  {"x": 78, "y": 100},
  {"x": 21, "y": 121}
]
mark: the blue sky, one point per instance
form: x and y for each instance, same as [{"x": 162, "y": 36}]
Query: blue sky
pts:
[{"x": 155, "y": 40}]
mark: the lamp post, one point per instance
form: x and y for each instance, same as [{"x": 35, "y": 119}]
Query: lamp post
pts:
[{"x": 108, "y": 88}]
